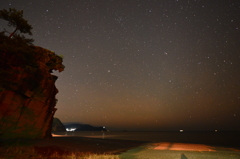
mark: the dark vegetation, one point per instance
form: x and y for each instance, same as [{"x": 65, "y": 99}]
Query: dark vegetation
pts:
[{"x": 15, "y": 19}]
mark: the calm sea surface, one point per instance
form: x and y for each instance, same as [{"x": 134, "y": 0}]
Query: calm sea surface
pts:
[{"x": 215, "y": 138}]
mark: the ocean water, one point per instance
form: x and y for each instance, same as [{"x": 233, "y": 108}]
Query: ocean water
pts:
[{"x": 213, "y": 138}]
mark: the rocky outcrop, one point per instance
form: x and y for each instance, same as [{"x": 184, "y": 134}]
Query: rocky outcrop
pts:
[
  {"x": 57, "y": 125},
  {"x": 27, "y": 90}
]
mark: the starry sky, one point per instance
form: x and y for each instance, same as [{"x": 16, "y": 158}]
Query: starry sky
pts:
[{"x": 142, "y": 64}]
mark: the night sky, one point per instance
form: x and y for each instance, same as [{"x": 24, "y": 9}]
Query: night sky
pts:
[{"x": 142, "y": 64}]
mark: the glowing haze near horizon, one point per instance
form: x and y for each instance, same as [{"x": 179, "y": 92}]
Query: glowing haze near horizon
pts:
[{"x": 142, "y": 64}]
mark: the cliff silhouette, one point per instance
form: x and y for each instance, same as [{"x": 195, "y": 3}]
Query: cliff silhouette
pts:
[
  {"x": 58, "y": 126},
  {"x": 27, "y": 88}
]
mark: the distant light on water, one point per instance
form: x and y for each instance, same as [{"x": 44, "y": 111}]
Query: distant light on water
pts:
[
  {"x": 71, "y": 129},
  {"x": 180, "y": 130}
]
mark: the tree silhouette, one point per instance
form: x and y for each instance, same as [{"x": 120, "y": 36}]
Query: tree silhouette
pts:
[{"x": 15, "y": 19}]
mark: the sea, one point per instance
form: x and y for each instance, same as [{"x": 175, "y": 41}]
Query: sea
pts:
[{"x": 224, "y": 138}]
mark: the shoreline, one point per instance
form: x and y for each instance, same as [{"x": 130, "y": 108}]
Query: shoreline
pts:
[{"x": 229, "y": 139}]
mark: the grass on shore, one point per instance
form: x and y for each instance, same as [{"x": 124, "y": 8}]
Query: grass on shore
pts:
[{"x": 30, "y": 153}]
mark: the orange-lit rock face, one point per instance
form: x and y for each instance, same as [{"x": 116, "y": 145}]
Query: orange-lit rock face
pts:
[{"x": 27, "y": 94}]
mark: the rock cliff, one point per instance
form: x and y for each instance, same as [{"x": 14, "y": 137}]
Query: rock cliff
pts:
[
  {"x": 57, "y": 125},
  {"x": 27, "y": 89}
]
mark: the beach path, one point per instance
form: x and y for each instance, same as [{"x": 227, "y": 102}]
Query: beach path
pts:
[{"x": 167, "y": 150}]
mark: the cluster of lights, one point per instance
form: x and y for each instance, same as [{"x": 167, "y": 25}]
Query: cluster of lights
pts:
[{"x": 71, "y": 129}]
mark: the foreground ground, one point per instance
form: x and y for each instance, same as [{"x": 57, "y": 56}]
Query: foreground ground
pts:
[
  {"x": 124, "y": 149},
  {"x": 66, "y": 146}
]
